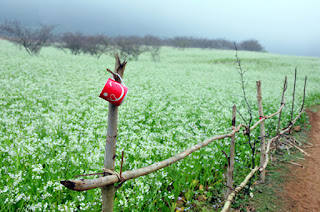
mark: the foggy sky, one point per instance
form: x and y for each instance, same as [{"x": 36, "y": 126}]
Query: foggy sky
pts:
[{"x": 281, "y": 26}]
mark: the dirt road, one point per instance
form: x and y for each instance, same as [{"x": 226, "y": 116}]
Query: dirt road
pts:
[{"x": 303, "y": 190}]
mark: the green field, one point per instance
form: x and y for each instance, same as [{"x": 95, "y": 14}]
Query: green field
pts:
[{"x": 53, "y": 124}]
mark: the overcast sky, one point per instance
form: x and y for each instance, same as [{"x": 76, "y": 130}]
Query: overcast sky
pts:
[{"x": 281, "y": 26}]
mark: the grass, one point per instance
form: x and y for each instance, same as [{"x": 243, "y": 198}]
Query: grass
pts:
[{"x": 53, "y": 125}]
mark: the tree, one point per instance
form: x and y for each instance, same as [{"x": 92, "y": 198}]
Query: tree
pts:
[
  {"x": 251, "y": 45},
  {"x": 77, "y": 43},
  {"x": 180, "y": 42},
  {"x": 130, "y": 47},
  {"x": 95, "y": 45},
  {"x": 72, "y": 41},
  {"x": 152, "y": 45},
  {"x": 31, "y": 40}
]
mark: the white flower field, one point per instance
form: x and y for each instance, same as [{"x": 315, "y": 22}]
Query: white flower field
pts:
[{"x": 53, "y": 125}]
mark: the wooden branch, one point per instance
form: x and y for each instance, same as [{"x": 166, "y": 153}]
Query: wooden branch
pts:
[
  {"x": 238, "y": 188},
  {"x": 228, "y": 158},
  {"x": 83, "y": 175},
  {"x": 292, "y": 123},
  {"x": 266, "y": 117},
  {"x": 119, "y": 68},
  {"x": 282, "y": 102},
  {"x": 264, "y": 166},
  {"x": 296, "y": 164},
  {"x": 294, "y": 91},
  {"x": 301, "y": 150},
  {"x": 262, "y": 133},
  {"x": 304, "y": 92},
  {"x": 230, "y": 168},
  {"x": 82, "y": 185}
]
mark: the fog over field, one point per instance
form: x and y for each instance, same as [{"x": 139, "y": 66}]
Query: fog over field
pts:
[{"x": 285, "y": 27}]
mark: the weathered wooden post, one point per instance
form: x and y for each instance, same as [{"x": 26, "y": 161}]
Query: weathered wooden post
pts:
[
  {"x": 230, "y": 168},
  {"x": 262, "y": 133},
  {"x": 110, "y": 148},
  {"x": 282, "y": 102},
  {"x": 294, "y": 91},
  {"x": 304, "y": 92}
]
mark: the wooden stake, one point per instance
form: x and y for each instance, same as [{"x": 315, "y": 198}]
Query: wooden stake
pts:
[
  {"x": 232, "y": 153},
  {"x": 262, "y": 133},
  {"x": 304, "y": 92},
  {"x": 110, "y": 148},
  {"x": 294, "y": 91},
  {"x": 282, "y": 103}
]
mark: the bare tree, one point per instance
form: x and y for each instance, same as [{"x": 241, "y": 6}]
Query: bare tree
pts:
[
  {"x": 180, "y": 42},
  {"x": 152, "y": 45},
  {"x": 95, "y": 45},
  {"x": 129, "y": 47},
  {"x": 31, "y": 40},
  {"x": 72, "y": 41}
]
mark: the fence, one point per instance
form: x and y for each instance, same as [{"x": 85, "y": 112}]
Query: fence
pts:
[{"x": 109, "y": 177}]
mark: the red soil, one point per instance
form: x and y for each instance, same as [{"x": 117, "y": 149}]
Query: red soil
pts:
[{"x": 303, "y": 190}]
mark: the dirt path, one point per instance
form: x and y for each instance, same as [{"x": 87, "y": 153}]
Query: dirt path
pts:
[{"x": 303, "y": 190}]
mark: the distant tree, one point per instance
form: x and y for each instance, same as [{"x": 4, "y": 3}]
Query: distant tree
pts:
[
  {"x": 180, "y": 42},
  {"x": 152, "y": 45},
  {"x": 72, "y": 41},
  {"x": 31, "y": 40},
  {"x": 224, "y": 44},
  {"x": 251, "y": 45},
  {"x": 129, "y": 48},
  {"x": 78, "y": 43},
  {"x": 95, "y": 45}
]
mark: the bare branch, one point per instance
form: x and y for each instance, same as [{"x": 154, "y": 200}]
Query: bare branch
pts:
[
  {"x": 82, "y": 185},
  {"x": 238, "y": 188}
]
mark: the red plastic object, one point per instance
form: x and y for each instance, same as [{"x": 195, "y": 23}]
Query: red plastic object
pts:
[{"x": 114, "y": 92}]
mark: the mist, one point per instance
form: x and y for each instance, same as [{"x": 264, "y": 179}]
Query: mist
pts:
[{"x": 284, "y": 27}]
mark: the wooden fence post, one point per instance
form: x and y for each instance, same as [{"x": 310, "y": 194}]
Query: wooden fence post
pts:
[
  {"x": 232, "y": 153},
  {"x": 282, "y": 102},
  {"x": 294, "y": 91},
  {"x": 110, "y": 148},
  {"x": 304, "y": 92},
  {"x": 262, "y": 133}
]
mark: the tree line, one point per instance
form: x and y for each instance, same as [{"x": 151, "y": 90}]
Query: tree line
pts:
[{"x": 129, "y": 47}]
